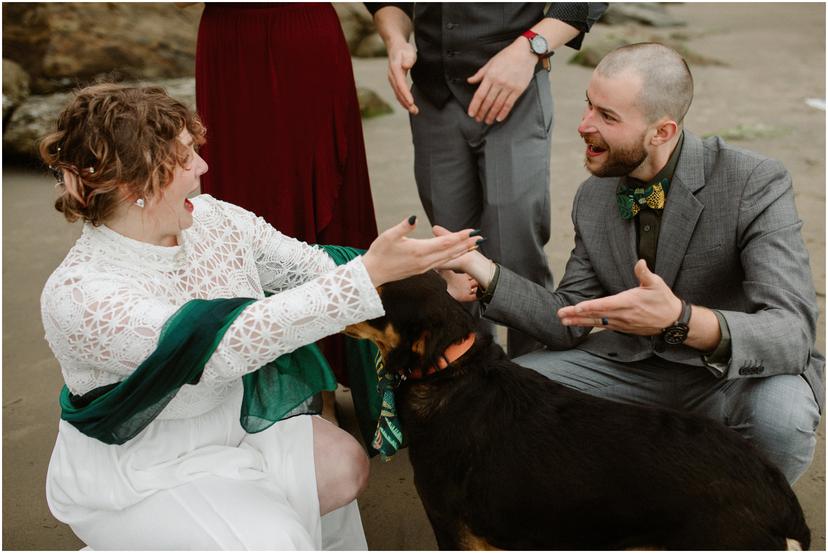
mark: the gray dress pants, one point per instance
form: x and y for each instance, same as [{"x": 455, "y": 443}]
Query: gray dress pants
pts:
[
  {"x": 778, "y": 414},
  {"x": 495, "y": 178}
]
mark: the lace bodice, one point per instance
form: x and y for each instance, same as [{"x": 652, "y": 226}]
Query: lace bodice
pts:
[{"x": 104, "y": 306}]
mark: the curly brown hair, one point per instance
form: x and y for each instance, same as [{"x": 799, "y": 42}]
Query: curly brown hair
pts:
[{"x": 116, "y": 143}]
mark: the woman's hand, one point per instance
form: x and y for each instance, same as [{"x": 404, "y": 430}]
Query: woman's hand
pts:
[
  {"x": 461, "y": 287},
  {"x": 393, "y": 256}
]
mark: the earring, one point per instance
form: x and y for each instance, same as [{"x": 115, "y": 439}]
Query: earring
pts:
[{"x": 139, "y": 202}]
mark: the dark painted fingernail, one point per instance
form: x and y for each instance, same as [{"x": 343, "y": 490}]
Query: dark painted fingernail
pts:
[
  {"x": 475, "y": 232},
  {"x": 482, "y": 239},
  {"x": 412, "y": 219}
]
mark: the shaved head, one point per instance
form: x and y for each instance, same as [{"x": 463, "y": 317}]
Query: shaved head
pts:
[{"x": 666, "y": 82}]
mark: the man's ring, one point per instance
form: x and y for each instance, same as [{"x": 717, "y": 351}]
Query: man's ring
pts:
[{"x": 604, "y": 321}]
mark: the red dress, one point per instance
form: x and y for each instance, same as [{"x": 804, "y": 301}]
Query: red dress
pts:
[{"x": 275, "y": 89}]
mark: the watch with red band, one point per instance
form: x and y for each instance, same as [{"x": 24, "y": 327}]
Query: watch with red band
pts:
[{"x": 539, "y": 47}]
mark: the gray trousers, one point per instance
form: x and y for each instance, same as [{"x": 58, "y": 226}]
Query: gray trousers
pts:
[
  {"x": 778, "y": 414},
  {"x": 495, "y": 178}
]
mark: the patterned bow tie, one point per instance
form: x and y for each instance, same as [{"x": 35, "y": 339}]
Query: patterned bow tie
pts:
[{"x": 630, "y": 200}]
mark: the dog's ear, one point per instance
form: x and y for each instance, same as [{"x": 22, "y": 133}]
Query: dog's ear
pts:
[{"x": 419, "y": 345}]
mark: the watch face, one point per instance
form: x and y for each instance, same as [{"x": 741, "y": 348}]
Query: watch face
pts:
[
  {"x": 539, "y": 45},
  {"x": 676, "y": 334}
]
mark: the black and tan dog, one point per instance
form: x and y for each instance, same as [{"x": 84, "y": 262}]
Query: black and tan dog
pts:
[{"x": 506, "y": 458}]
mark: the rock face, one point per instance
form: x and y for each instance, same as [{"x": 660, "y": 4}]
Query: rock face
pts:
[
  {"x": 644, "y": 13},
  {"x": 370, "y": 104},
  {"x": 63, "y": 44},
  {"x": 594, "y": 50},
  {"x": 358, "y": 27},
  {"x": 36, "y": 116},
  {"x": 15, "y": 86}
]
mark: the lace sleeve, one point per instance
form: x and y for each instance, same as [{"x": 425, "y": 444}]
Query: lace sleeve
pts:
[
  {"x": 282, "y": 262},
  {"x": 100, "y": 330},
  {"x": 302, "y": 315}
]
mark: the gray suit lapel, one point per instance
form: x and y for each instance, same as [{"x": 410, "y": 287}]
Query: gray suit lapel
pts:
[
  {"x": 622, "y": 241},
  {"x": 682, "y": 211}
]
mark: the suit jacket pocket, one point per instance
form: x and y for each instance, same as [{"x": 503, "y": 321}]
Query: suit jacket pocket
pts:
[{"x": 706, "y": 258}]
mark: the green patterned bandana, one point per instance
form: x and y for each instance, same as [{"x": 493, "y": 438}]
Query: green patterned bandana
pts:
[{"x": 388, "y": 438}]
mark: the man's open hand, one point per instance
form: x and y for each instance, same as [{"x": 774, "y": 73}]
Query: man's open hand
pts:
[{"x": 644, "y": 311}]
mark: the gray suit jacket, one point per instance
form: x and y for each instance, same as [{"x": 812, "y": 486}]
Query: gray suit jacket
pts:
[{"x": 730, "y": 240}]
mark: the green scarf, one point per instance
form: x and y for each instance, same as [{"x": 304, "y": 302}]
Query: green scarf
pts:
[{"x": 117, "y": 412}]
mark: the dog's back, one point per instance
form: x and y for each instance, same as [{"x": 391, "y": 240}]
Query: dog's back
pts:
[{"x": 526, "y": 463}]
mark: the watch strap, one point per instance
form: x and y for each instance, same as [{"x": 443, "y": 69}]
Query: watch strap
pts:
[{"x": 684, "y": 317}]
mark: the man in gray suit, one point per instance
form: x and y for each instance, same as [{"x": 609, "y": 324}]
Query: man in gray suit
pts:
[{"x": 688, "y": 259}]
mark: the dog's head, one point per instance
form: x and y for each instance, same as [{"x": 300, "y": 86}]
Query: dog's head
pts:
[{"x": 421, "y": 320}]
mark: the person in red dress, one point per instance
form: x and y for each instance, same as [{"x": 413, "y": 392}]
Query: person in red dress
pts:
[{"x": 275, "y": 89}]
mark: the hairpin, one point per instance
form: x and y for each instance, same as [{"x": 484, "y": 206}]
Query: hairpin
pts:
[{"x": 140, "y": 202}]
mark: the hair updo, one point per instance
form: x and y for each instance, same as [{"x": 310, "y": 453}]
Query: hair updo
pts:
[{"x": 116, "y": 142}]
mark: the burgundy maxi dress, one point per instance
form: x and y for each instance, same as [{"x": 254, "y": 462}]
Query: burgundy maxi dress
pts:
[{"x": 275, "y": 89}]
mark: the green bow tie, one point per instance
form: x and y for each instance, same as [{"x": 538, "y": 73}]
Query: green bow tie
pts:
[{"x": 630, "y": 200}]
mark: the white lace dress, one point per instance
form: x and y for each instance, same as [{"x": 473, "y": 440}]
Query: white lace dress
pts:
[{"x": 193, "y": 479}]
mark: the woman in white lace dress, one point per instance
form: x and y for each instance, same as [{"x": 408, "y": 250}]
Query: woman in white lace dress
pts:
[{"x": 193, "y": 478}]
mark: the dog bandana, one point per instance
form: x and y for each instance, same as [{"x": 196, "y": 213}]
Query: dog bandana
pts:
[
  {"x": 630, "y": 200},
  {"x": 388, "y": 437}
]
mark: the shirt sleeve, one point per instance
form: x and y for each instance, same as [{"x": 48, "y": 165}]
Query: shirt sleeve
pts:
[
  {"x": 581, "y": 15},
  {"x": 719, "y": 359}
]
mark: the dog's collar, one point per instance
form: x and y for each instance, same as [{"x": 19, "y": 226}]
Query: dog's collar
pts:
[{"x": 452, "y": 353}]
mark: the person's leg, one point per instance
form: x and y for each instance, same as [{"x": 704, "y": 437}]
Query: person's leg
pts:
[
  {"x": 514, "y": 171},
  {"x": 641, "y": 383},
  {"x": 308, "y": 451},
  {"x": 446, "y": 170},
  {"x": 778, "y": 414},
  {"x": 340, "y": 464}
]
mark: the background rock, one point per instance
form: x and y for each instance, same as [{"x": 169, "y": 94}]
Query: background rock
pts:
[
  {"x": 36, "y": 116},
  {"x": 597, "y": 47},
  {"x": 372, "y": 46},
  {"x": 64, "y": 44},
  {"x": 370, "y": 104},
  {"x": 360, "y": 32},
  {"x": 645, "y": 13},
  {"x": 15, "y": 86}
]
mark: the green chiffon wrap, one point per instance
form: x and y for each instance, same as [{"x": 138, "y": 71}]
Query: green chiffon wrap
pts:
[{"x": 117, "y": 412}]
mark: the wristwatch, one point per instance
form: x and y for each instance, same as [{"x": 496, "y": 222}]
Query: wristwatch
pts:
[
  {"x": 676, "y": 333},
  {"x": 540, "y": 48}
]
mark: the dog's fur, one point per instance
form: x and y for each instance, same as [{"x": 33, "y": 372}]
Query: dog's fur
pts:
[{"x": 506, "y": 458}]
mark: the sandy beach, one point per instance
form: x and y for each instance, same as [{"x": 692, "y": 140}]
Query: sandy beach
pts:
[{"x": 773, "y": 62}]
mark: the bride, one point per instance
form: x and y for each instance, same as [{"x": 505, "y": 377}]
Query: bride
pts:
[{"x": 158, "y": 316}]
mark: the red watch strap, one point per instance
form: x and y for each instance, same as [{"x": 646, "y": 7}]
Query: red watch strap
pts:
[{"x": 530, "y": 34}]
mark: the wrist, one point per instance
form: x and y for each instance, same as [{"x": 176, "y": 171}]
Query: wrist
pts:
[
  {"x": 482, "y": 270},
  {"x": 396, "y": 42},
  {"x": 372, "y": 269},
  {"x": 523, "y": 50}
]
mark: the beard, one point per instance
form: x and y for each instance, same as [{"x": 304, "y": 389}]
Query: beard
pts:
[{"x": 621, "y": 160}]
